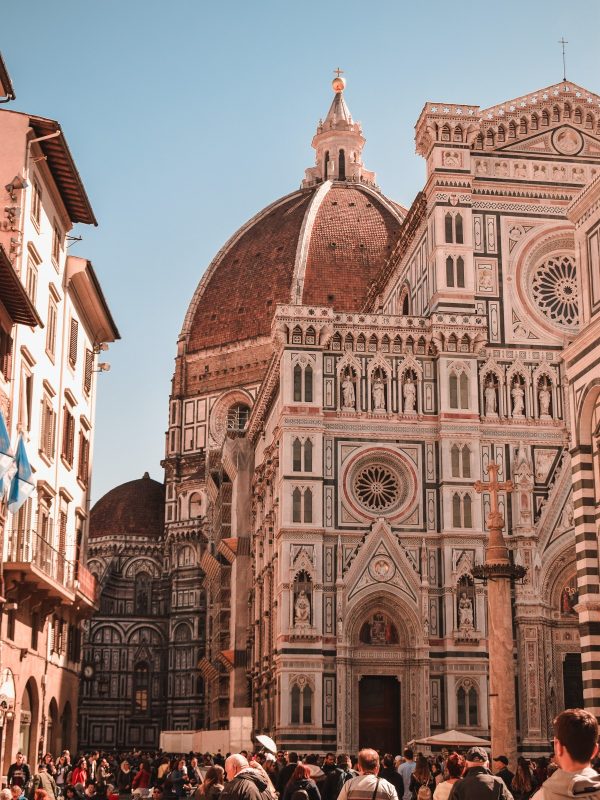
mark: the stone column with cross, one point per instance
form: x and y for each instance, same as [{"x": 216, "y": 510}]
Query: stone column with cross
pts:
[{"x": 498, "y": 572}]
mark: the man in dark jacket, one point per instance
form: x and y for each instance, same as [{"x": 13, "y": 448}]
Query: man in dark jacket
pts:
[
  {"x": 478, "y": 782},
  {"x": 391, "y": 774},
  {"x": 285, "y": 773},
  {"x": 243, "y": 782},
  {"x": 502, "y": 771},
  {"x": 334, "y": 781}
]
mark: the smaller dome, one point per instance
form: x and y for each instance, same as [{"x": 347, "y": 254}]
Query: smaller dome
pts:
[{"x": 136, "y": 507}]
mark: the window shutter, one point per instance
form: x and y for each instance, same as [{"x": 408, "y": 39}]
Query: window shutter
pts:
[
  {"x": 87, "y": 376},
  {"x": 73, "y": 342}
]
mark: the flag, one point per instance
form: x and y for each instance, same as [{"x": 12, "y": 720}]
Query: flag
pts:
[
  {"x": 6, "y": 454},
  {"x": 21, "y": 486}
]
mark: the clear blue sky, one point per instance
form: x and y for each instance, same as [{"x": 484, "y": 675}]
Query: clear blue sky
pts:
[{"x": 187, "y": 117}]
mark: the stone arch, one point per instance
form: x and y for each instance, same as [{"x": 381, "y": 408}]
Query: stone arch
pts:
[
  {"x": 182, "y": 632},
  {"x": 53, "y": 732},
  {"x": 115, "y": 635},
  {"x": 67, "y": 722},
  {"x": 30, "y": 720},
  {"x": 373, "y": 599},
  {"x": 141, "y": 563},
  {"x": 218, "y": 414}
]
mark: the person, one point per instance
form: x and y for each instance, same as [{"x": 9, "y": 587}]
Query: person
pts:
[
  {"x": 406, "y": 770},
  {"x": 540, "y": 773},
  {"x": 16, "y": 792},
  {"x": 455, "y": 765},
  {"x": 478, "y": 783},
  {"x": 299, "y": 781},
  {"x": 243, "y": 782},
  {"x": 523, "y": 783},
  {"x": 124, "y": 778},
  {"x": 285, "y": 773},
  {"x": 5, "y": 794},
  {"x": 213, "y": 783},
  {"x": 368, "y": 785},
  {"x": 502, "y": 770},
  {"x": 421, "y": 778},
  {"x": 194, "y": 772},
  {"x": 390, "y": 774},
  {"x": 575, "y": 746},
  {"x": 334, "y": 781},
  {"x": 40, "y": 794},
  {"x": 93, "y": 766},
  {"x": 79, "y": 774},
  {"x": 61, "y": 772},
  {"x": 89, "y": 793},
  {"x": 163, "y": 770},
  {"x": 43, "y": 780},
  {"x": 49, "y": 762},
  {"x": 18, "y": 773},
  {"x": 141, "y": 779}
]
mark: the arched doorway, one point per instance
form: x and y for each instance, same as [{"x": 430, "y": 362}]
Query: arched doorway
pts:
[
  {"x": 66, "y": 726},
  {"x": 383, "y": 675},
  {"x": 29, "y": 722},
  {"x": 53, "y": 741}
]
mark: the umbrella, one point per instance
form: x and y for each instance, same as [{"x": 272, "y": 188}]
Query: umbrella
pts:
[
  {"x": 453, "y": 737},
  {"x": 267, "y": 742}
]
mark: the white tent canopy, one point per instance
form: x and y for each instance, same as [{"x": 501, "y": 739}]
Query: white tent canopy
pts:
[{"x": 452, "y": 739}]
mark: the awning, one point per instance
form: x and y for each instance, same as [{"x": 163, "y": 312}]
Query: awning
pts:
[
  {"x": 13, "y": 295},
  {"x": 453, "y": 738}
]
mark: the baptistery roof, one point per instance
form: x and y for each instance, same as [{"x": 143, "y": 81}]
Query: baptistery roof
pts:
[
  {"x": 324, "y": 244},
  {"x": 133, "y": 508}
]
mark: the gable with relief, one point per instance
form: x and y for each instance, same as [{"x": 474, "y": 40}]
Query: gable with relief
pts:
[{"x": 564, "y": 140}]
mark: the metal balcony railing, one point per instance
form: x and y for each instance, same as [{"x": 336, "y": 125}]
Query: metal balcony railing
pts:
[{"x": 25, "y": 546}]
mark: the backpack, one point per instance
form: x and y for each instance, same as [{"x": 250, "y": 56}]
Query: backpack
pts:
[
  {"x": 424, "y": 793},
  {"x": 300, "y": 794}
]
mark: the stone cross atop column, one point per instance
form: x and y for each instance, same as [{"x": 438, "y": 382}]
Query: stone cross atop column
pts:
[{"x": 498, "y": 572}]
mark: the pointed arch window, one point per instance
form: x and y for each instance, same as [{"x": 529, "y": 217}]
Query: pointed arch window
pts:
[
  {"x": 464, "y": 390},
  {"x": 466, "y": 461},
  {"x": 342, "y": 165},
  {"x": 453, "y": 385},
  {"x": 467, "y": 706},
  {"x": 142, "y": 593},
  {"x": 301, "y": 704},
  {"x": 455, "y": 461},
  {"x": 295, "y": 705},
  {"x": 308, "y": 506},
  {"x": 297, "y": 455},
  {"x": 297, "y": 383},
  {"x": 460, "y": 272},
  {"x": 141, "y": 685},
  {"x": 458, "y": 226},
  {"x": 308, "y": 449},
  {"x": 297, "y": 505},
  {"x": 448, "y": 227},
  {"x": 456, "y": 516},
  {"x": 303, "y": 383},
  {"x": 308, "y": 384},
  {"x": 462, "y": 513},
  {"x": 449, "y": 271}
]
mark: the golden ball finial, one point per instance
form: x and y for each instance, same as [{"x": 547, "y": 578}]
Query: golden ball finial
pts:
[{"x": 338, "y": 83}]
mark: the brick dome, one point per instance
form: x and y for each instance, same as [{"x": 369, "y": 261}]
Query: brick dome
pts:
[
  {"x": 133, "y": 508},
  {"x": 323, "y": 245}
]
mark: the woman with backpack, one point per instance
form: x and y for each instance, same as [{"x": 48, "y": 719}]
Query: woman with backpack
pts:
[
  {"x": 523, "y": 784},
  {"x": 422, "y": 779},
  {"x": 301, "y": 786}
]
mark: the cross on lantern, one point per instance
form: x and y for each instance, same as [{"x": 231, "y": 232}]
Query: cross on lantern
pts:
[
  {"x": 338, "y": 72},
  {"x": 496, "y": 551}
]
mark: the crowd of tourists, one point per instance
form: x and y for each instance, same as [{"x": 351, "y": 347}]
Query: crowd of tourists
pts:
[{"x": 572, "y": 770}]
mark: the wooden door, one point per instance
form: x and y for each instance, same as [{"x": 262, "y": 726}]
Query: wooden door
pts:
[{"x": 379, "y": 713}]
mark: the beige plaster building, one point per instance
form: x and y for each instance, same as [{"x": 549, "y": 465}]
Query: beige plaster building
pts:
[{"x": 48, "y": 372}]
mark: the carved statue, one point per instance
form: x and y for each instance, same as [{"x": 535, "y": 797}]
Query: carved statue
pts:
[
  {"x": 544, "y": 398},
  {"x": 378, "y": 395},
  {"x": 302, "y": 610},
  {"x": 490, "y": 399},
  {"x": 410, "y": 396},
  {"x": 465, "y": 612},
  {"x": 348, "y": 395},
  {"x": 518, "y": 398}
]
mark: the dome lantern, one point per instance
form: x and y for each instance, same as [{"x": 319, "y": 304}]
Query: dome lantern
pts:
[{"x": 338, "y": 143}]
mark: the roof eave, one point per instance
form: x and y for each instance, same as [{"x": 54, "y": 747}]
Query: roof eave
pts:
[
  {"x": 87, "y": 293},
  {"x": 5, "y": 81},
  {"x": 14, "y": 296},
  {"x": 64, "y": 171}
]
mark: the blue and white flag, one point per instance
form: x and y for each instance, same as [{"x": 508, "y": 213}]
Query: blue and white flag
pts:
[
  {"x": 6, "y": 454},
  {"x": 21, "y": 486}
]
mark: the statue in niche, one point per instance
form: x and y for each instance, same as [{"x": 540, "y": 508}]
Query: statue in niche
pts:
[
  {"x": 410, "y": 396},
  {"x": 518, "y": 398},
  {"x": 491, "y": 403},
  {"x": 348, "y": 394},
  {"x": 544, "y": 397},
  {"x": 378, "y": 394},
  {"x": 378, "y": 630},
  {"x": 302, "y": 611},
  {"x": 465, "y": 613}
]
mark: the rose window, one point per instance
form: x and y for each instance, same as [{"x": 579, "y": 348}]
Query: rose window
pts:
[
  {"x": 554, "y": 288},
  {"x": 376, "y": 487}
]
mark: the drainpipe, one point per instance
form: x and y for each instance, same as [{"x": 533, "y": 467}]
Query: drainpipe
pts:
[{"x": 41, "y": 139}]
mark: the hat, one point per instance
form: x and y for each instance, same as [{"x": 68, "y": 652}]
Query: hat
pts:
[
  {"x": 477, "y": 754},
  {"x": 269, "y": 757},
  {"x": 502, "y": 760}
]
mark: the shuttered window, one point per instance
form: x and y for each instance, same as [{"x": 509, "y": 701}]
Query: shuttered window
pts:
[
  {"x": 87, "y": 373},
  {"x": 48, "y": 431},
  {"x": 73, "y": 342},
  {"x": 68, "y": 441}
]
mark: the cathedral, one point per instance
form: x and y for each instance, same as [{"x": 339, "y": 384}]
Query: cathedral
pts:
[{"x": 346, "y": 371}]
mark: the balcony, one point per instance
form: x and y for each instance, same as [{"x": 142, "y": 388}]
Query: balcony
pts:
[
  {"x": 32, "y": 561},
  {"x": 86, "y": 585}
]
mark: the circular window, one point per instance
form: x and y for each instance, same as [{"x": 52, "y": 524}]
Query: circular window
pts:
[
  {"x": 380, "y": 483},
  {"x": 554, "y": 289},
  {"x": 376, "y": 487}
]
